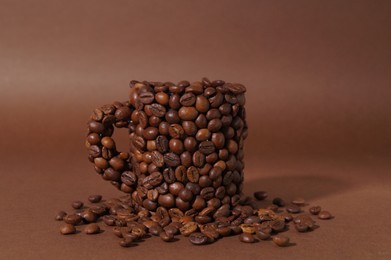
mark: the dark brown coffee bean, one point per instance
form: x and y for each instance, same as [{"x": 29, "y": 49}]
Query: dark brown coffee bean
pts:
[
  {"x": 166, "y": 200},
  {"x": 186, "y": 159},
  {"x": 324, "y": 215},
  {"x": 216, "y": 100},
  {"x": 155, "y": 230},
  {"x": 207, "y": 193},
  {"x": 97, "y": 115},
  {"x": 190, "y": 144},
  {"x": 201, "y": 121},
  {"x": 314, "y": 210},
  {"x": 60, "y": 215},
  {"x": 203, "y": 134},
  {"x": 198, "y": 159},
  {"x": 193, "y": 174},
  {"x": 281, "y": 240},
  {"x": 175, "y": 187},
  {"x": 139, "y": 142},
  {"x": 146, "y": 98},
  {"x": 195, "y": 87},
  {"x": 187, "y": 113},
  {"x": 206, "y": 147},
  {"x": 198, "y": 238},
  {"x": 298, "y": 201},
  {"x": 172, "y": 117},
  {"x": 301, "y": 227},
  {"x": 67, "y": 229},
  {"x": 278, "y": 225},
  {"x": 292, "y": 208},
  {"x": 188, "y": 228},
  {"x": 117, "y": 164},
  {"x": 126, "y": 242},
  {"x": 262, "y": 234},
  {"x": 193, "y": 187},
  {"x": 218, "y": 140},
  {"x": 188, "y": 99},
  {"x": 214, "y": 125},
  {"x": 260, "y": 195},
  {"x": 149, "y": 205},
  {"x": 153, "y": 180},
  {"x": 162, "y": 98},
  {"x": 246, "y": 238},
  {"x": 176, "y": 131},
  {"x": 93, "y": 138},
  {"x": 185, "y": 195},
  {"x": 158, "y": 159},
  {"x": 89, "y": 216},
  {"x": 205, "y": 181},
  {"x": 109, "y": 220},
  {"x": 129, "y": 178},
  {"x": 176, "y": 146},
  {"x": 202, "y": 104},
  {"x": 169, "y": 175},
  {"x": 150, "y": 133},
  {"x": 236, "y": 88},
  {"x": 162, "y": 144},
  {"x": 96, "y": 127},
  {"x": 278, "y": 202},
  {"x": 213, "y": 113},
  {"x": 77, "y": 204},
  {"x": 158, "y": 110},
  {"x": 166, "y": 237},
  {"x": 98, "y": 210},
  {"x": 92, "y": 229},
  {"x": 180, "y": 173}
]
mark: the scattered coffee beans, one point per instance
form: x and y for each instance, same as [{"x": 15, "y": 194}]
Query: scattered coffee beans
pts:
[
  {"x": 260, "y": 195},
  {"x": 77, "y": 204},
  {"x": 324, "y": 215},
  {"x": 314, "y": 210},
  {"x": 92, "y": 229},
  {"x": 60, "y": 215}
]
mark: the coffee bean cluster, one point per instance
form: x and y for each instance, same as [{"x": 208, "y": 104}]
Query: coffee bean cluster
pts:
[
  {"x": 132, "y": 225},
  {"x": 186, "y": 145}
]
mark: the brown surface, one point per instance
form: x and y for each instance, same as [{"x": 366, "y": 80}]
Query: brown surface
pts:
[{"x": 318, "y": 109}]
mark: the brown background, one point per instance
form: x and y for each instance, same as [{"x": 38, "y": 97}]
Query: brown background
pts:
[{"x": 318, "y": 102}]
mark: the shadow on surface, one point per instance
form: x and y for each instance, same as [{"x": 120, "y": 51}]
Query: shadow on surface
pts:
[{"x": 290, "y": 187}]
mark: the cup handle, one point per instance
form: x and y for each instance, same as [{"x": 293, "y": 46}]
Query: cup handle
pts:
[{"x": 102, "y": 151}]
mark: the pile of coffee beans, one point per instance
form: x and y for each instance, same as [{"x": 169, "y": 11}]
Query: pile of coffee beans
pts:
[
  {"x": 186, "y": 145},
  {"x": 132, "y": 226}
]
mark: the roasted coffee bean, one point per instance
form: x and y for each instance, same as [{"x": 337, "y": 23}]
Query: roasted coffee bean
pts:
[
  {"x": 158, "y": 110},
  {"x": 162, "y": 144},
  {"x": 166, "y": 237},
  {"x": 188, "y": 99},
  {"x": 260, "y": 195},
  {"x": 206, "y": 147},
  {"x": 188, "y": 228},
  {"x": 92, "y": 229},
  {"x": 298, "y": 201},
  {"x": 216, "y": 100},
  {"x": 292, "y": 208},
  {"x": 198, "y": 238},
  {"x": 126, "y": 242},
  {"x": 155, "y": 230},
  {"x": 201, "y": 121},
  {"x": 72, "y": 219},
  {"x": 181, "y": 204},
  {"x": 190, "y": 144},
  {"x": 246, "y": 238},
  {"x": 157, "y": 158},
  {"x": 129, "y": 178},
  {"x": 176, "y": 131},
  {"x": 187, "y": 113},
  {"x": 314, "y": 210},
  {"x": 207, "y": 193},
  {"x": 281, "y": 240},
  {"x": 67, "y": 229},
  {"x": 109, "y": 220},
  {"x": 169, "y": 175},
  {"x": 150, "y": 133},
  {"x": 172, "y": 117},
  {"x": 198, "y": 159},
  {"x": 218, "y": 140},
  {"x": 214, "y": 125},
  {"x": 185, "y": 195},
  {"x": 96, "y": 127},
  {"x": 94, "y": 151},
  {"x": 301, "y": 227},
  {"x": 192, "y": 174},
  {"x": 205, "y": 181},
  {"x": 195, "y": 87},
  {"x": 89, "y": 216},
  {"x": 146, "y": 98},
  {"x": 324, "y": 215},
  {"x": 263, "y": 234},
  {"x": 166, "y": 200},
  {"x": 278, "y": 202},
  {"x": 60, "y": 215},
  {"x": 202, "y": 104},
  {"x": 203, "y": 134},
  {"x": 176, "y": 146}
]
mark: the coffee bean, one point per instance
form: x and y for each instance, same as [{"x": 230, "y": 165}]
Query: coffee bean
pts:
[
  {"x": 246, "y": 238},
  {"x": 207, "y": 193},
  {"x": 166, "y": 200},
  {"x": 172, "y": 117},
  {"x": 155, "y": 230},
  {"x": 96, "y": 127},
  {"x": 198, "y": 238},
  {"x": 206, "y": 147},
  {"x": 176, "y": 131},
  {"x": 189, "y": 228},
  {"x": 146, "y": 97},
  {"x": 109, "y": 220},
  {"x": 193, "y": 174},
  {"x": 263, "y": 234},
  {"x": 67, "y": 229},
  {"x": 72, "y": 219},
  {"x": 158, "y": 159},
  {"x": 260, "y": 195},
  {"x": 301, "y": 227},
  {"x": 188, "y": 99},
  {"x": 281, "y": 240},
  {"x": 215, "y": 125},
  {"x": 89, "y": 216},
  {"x": 77, "y": 204},
  {"x": 150, "y": 133},
  {"x": 324, "y": 215},
  {"x": 203, "y": 134},
  {"x": 126, "y": 242},
  {"x": 158, "y": 110},
  {"x": 298, "y": 202},
  {"x": 236, "y": 88},
  {"x": 187, "y": 113},
  {"x": 176, "y": 146},
  {"x": 314, "y": 210},
  {"x": 278, "y": 202},
  {"x": 60, "y": 215},
  {"x": 292, "y": 208},
  {"x": 129, "y": 178},
  {"x": 202, "y": 104},
  {"x": 166, "y": 237},
  {"x": 195, "y": 87},
  {"x": 91, "y": 229}
]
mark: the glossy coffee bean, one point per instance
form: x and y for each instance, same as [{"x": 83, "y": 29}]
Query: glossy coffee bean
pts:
[
  {"x": 187, "y": 113},
  {"x": 95, "y": 198},
  {"x": 314, "y": 210},
  {"x": 67, "y": 229},
  {"x": 91, "y": 229},
  {"x": 324, "y": 215},
  {"x": 260, "y": 195},
  {"x": 281, "y": 240},
  {"x": 246, "y": 238},
  {"x": 60, "y": 215},
  {"x": 198, "y": 238},
  {"x": 77, "y": 204}
]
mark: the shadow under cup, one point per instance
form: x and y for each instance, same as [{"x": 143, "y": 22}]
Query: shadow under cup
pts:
[{"x": 186, "y": 144}]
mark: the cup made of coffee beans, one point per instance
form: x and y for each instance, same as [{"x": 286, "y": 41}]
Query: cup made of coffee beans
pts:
[{"x": 186, "y": 146}]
